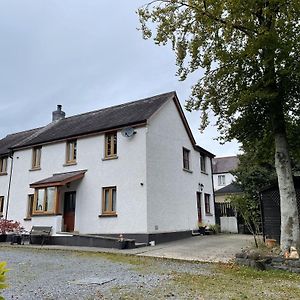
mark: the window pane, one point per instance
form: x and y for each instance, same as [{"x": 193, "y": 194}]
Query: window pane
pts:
[
  {"x": 186, "y": 162},
  {"x": 115, "y": 143},
  {"x": 1, "y": 204},
  {"x": 40, "y": 200},
  {"x": 49, "y": 206},
  {"x": 114, "y": 196},
  {"x": 74, "y": 150},
  {"x": 30, "y": 205},
  {"x": 106, "y": 200}
]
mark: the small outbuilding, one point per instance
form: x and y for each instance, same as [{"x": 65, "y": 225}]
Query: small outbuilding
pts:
[{"x": 270, "y": 208}]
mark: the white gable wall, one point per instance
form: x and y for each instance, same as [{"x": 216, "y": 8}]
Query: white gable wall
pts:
[{"x": 171, "y": 191}]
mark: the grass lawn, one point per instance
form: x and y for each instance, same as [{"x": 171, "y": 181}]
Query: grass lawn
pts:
[{"x": 219, "y": 281}]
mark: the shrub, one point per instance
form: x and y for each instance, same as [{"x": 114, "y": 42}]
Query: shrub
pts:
[{"x": 10, "y": 226}]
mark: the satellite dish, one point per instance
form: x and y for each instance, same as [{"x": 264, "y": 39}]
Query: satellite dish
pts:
[{"x": 128, "y": 132}]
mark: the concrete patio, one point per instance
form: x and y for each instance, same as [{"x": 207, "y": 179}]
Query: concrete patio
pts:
[{"x": 209, "y": 248}]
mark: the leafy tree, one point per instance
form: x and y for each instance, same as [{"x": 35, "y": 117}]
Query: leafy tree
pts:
[{"x": 249, "y": 51}]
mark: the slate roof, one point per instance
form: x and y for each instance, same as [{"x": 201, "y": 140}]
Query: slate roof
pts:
[
  {"x": 59, "y": 179},
  {"x": 127, "y": 114},
  {"x": 231, "y": 188},
  {"x": 12, "y": 139},
  {"x": 225, "y": 164}
]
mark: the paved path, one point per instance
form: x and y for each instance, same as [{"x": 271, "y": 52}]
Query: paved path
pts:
[{"x": 212, "y": 248}]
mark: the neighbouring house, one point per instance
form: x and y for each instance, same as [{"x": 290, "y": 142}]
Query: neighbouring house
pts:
[
  {"x": 222, "y": 171},
  {"x": 270, "y": 209},
  {"x": 224, "y": 186},
  {"x": 131, "y": 169}
]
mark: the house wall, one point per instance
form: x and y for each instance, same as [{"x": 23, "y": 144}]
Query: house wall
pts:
[
  {"x": 4, "y": 182},
  {"x": 127, "y": 173},
  {"x": 171, "y": 191},
  {"x": 229, "y": 178}
]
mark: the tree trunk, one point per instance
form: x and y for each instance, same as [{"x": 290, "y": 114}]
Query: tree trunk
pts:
[{"x": 290, "y": 233}]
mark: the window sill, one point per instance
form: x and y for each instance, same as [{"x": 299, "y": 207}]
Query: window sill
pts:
[
  {"x": 3, "y": 174},
  {"x": 109, "y": 158},
  {"x": 27, "y": 219},
  {"x": 209, "y": 214},
  {"x": 204, "y": 173},
  {"x": 69, "y": 164},
  {"x": 187, "y": 170},
  {"x": 34, "y": 169},
  {"x": 44, "y": 215},
  {"x": 108, "y": 216}
]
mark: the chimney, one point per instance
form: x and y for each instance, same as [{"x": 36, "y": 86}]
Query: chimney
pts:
[{"x": 58, "y": 114}]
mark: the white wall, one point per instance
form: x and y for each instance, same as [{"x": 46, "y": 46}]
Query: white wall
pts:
[
  {"x": 127, "y": 172},
  {"x": 229, "y": 178},
  {"x": 171, "y": 191},
  {"x": 4, "y": 181}
]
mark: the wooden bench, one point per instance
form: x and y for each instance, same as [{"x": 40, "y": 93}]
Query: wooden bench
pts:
[{"x": 40, "y": 231}]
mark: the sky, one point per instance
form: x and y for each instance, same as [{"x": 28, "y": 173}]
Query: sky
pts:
[{"x": 85, "y": 55}]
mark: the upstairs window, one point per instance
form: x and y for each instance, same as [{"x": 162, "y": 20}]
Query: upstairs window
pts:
[
  {"x": 111, "y": 145},
  {"x": 109, "y": 199},
  {"x": 36, "y": 157},
  {"x": 221, "y": 180},
  {"x": 203, "y": 163},
  {"x": 1, "y": 205},
  {"x": 3, "y": 165},
  {"x": 207, "y": 204},
  {"x": 71, "y": 152},
  {"x": 186, "y": 158}
]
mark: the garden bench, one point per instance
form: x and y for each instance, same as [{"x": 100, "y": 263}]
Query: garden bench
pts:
[{"x": 40, "y": 231}]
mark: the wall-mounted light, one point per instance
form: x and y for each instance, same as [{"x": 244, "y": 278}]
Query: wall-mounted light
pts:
[{"x": 201, "y": 186}]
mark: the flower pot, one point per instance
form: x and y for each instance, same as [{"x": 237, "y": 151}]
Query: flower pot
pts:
[
  {"x": 16, "y": 239},
  {"x": 202, "y": 230},
  {"x": 3, "y": 237},
  {"x": 121, "y": 244},
  {"x": 270, "y": 243}
]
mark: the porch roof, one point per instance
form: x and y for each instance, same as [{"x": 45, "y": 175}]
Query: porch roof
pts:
[{"x": 59, "y": 179}]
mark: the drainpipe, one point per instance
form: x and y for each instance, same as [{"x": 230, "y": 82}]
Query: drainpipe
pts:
[
  {"x": 212, "y": 181},
  {"x": 11, "y": 156}
]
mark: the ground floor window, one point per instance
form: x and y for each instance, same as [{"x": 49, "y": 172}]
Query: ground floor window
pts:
[
  {"x": 207, "y": 203},
  {"x": 30, "y": 202},
  {"x": 1, "y": 205},
  {"x": 109, "y": 198},
  {"x": 44, "y": 200}
]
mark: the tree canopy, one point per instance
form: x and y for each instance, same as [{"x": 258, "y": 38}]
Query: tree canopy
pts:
[{"x": 244, "y": 48}]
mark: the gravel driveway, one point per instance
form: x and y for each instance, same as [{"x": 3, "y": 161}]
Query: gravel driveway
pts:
[{"x": 52, "y": 274}]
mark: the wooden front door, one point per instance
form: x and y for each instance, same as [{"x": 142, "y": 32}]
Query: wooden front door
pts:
[
  {"x": 199, "y": 207},
  {"x": 69, "y": 211}
]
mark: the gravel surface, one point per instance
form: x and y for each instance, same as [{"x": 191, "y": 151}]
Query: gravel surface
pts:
[{"x": 52, "y": 274}]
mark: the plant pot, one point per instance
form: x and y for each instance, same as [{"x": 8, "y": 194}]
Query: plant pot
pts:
[
  {"x": 16, "y": 239},
  {"x": 202, "y": 230},
  {"x": 3, "y": 237},
  {"x": 270, "y": 243},
  {"x": 121, "y": 245}
]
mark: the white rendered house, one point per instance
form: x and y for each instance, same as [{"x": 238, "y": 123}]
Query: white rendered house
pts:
[{"x": 133, "y": 169}]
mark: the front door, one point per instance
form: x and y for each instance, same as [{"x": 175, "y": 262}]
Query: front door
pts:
[
  {"x": 69, "y": 211},
  {"x": 199, "y": 207}
]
